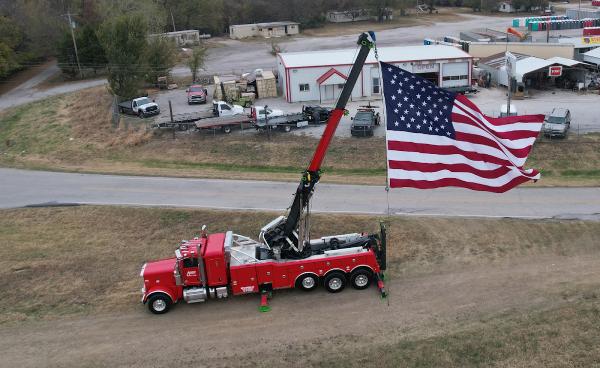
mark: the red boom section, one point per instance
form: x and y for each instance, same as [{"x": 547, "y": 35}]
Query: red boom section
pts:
[{"x": 332, "y": 124}]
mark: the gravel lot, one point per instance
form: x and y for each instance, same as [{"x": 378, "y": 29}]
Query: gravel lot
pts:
[{"x": 489, "y": 101}]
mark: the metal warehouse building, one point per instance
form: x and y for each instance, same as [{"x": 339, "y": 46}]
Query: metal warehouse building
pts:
[{"x": 320, "y": 75}]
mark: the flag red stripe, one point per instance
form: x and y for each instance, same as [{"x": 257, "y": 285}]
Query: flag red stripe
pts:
[
  {"x": 504, "y": 120},
  {"x": 452, "y": 182},
  {"x": 446, "y": 150},
  {"x": 483, "y": 127},
  {"x": 479, "y": 139},
  {"x": 433, "y": 167},
  {"x": 511, "y": 135}
]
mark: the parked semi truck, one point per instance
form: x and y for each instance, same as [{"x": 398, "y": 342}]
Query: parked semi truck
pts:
[{"x": 284, "y": 256}]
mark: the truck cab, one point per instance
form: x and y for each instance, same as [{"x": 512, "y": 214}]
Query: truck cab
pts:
[
  {"x": 557, "y": 123},
  {"x": 141, "y": 106},
  {"x": 198, "y": 270},
  {"x": 222, "y": 108}
]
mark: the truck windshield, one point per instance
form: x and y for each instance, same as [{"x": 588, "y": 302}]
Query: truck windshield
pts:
[
  {"x": 363, "y": 117},
  {"x": 143, "y": 101},
  {"x": 196, "y": 89},
  {"x": 556, "y": 119}
]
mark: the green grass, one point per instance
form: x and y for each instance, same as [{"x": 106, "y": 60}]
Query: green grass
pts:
[
  {"x": 153, "y": 163},
  {"x": 565, "y": 336},
  {"x": 73, "y": 133}
]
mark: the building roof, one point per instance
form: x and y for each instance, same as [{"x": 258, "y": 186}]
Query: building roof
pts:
[
  {"x": 563, "y": 61},
  {"x": 531, "y": 64},
  {"x": 387, "y": 54},
  {"x": 593, "y": 53},
  {"x": 186, "y": 31},
  {"x": 498, "y": 60},
  {"x": 268, "y": 24},
  {"x": 328, "y": 74}
]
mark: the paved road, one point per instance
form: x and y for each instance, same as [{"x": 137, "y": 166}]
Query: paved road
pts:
[{"x": 21, "y": 188}]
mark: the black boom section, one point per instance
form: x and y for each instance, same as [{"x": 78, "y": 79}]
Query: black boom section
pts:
[{"x": 287, "y": 231}]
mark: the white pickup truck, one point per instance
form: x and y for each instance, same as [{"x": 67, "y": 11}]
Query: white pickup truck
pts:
[
  {"x": 222, "y": 108},
  {"x": 141, "y": 106}
]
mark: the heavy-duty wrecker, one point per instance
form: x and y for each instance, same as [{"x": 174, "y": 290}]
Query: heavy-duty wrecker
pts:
[{"x": 223, "y": 264}]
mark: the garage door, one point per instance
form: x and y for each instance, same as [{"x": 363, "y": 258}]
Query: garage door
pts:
[{"x": 456, "y": 69}]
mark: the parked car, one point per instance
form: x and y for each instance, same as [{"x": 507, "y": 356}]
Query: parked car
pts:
[
  {"x": 141, "y": 106},
  {"x": 316, "y": 114},
  {"x": 196, "y": 94},
  {"x": 557, "y": 123},
  {"x": 364, "y": 122}
]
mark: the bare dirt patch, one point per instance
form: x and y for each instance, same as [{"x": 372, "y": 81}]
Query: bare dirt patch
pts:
[{"x": 464, "y": 292}]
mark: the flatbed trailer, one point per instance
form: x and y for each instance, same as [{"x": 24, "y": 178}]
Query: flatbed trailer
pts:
[
  {"x": 205, "y": 121},
  {"x": 284, "y": 122}
]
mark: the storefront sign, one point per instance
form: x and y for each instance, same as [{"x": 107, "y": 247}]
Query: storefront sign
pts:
[
  {"x": 591, "y": 40},
  {"x": 426, "y": 68},
  {"x": 555, "y": 71}
]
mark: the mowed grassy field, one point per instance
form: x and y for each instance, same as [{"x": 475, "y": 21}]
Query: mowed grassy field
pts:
[
  {"x": 80, "y": 262},
  {"x": 73, "y": 133}
]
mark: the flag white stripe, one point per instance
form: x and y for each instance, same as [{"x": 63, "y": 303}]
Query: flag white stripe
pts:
[
  {"x": 436, "y": 140},
  {"x": 534, "y": 127},
  {"x": 510, "y": 144},
  {"x": 464, "y": 176},
  {"x": 430, "y": 158}
]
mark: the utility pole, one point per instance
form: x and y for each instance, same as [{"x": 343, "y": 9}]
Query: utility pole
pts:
[
  {"x": 71, "y": 26},
  {"x": 172, "y": 19}
]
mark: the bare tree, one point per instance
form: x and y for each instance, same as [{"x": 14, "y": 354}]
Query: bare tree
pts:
[{"x": 196, "y": 61}]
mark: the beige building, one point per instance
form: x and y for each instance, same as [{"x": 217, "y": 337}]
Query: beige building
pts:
[
  {"x": 266, "y": 30},
  {"x": 540, "y": 50},
  {"x": 189, "y": 37}
]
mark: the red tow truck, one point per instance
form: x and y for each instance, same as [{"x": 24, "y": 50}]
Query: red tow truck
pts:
[{"x": 284, "y": 256}]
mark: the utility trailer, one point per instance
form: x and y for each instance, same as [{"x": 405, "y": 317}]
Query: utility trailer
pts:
[
  {"x": 283, "y": 121},
  {"x": 284, "y": 256},
  {"x": 223, "y": 116}
]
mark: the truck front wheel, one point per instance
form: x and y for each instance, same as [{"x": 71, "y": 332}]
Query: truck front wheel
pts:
[
  {"x": 159, "y": 303},
  {"x": 226, "y": 129},
  {"x": 335, "y": 282},
  {"x": 286, "y": 128}
]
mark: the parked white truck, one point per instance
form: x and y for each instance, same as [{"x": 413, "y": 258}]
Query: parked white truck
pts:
[{"x": 141, "y": 106}]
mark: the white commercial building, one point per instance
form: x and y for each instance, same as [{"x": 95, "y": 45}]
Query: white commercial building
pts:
[{"x": 321, "y": 75}]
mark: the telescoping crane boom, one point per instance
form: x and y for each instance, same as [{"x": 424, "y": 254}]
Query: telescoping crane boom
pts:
[
  {"x": 217, "y": 265},
  {"x": 290, "y": 234}
]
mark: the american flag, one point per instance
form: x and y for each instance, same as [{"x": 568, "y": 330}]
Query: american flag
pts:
[{"x": 437, "y": 138}]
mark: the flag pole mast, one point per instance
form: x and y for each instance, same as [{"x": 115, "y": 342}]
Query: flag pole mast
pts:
[{"x": 387, "y": 163}]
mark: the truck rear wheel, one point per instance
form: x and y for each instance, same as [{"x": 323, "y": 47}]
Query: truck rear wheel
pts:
[
  {"x": 361, "y": 279},
  {"x": 286, "y": 128},
  {"x": 159, "y": 303},
  {"x": 335, "y": 282},
  {"x": 307, "y": 282}
]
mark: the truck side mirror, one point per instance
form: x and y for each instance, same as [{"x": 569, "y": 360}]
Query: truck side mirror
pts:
[{"x": 352, "y": 118}]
